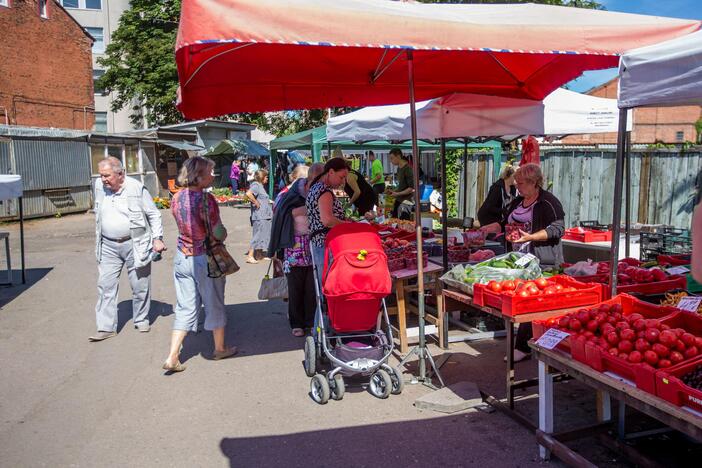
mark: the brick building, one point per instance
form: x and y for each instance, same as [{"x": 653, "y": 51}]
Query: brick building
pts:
[
  {"x": 651, "y": 124},
  {"x": 45, "y": 67}
]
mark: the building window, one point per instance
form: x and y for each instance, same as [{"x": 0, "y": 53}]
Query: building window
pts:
[
  {"x": 101, "y": 123},
  {"x": 99, "y": 44},
  {"x": 97, "y": 89},
  {"x": 679, "y": 136},
  {"x": 83, "y": 4},
  {"x": 5, "y": 3},
  {"x": 43, "y": 8},
  {"x": 97, "y": 154},
  {"x": 131, "y": 153}
]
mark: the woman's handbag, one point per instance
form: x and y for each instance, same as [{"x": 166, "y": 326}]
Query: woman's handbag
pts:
[
  {"x": 219, "y": 262},
  {"x": 273, "y": 288}
]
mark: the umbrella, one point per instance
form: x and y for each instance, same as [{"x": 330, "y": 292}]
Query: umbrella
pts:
[{"x": 321, "y": 53}]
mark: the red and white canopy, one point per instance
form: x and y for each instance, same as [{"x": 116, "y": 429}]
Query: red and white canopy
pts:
[{"x": 264, "y": 55}]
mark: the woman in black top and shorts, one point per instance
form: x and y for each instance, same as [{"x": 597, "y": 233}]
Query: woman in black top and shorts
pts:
[{"x": 361, "y": 194}]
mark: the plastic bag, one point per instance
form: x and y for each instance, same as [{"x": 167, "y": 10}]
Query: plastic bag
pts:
[
  {"x": 530, "y": 151},
  {"x": 492, "y": 269},
  {"x": 581, "y": 268}
]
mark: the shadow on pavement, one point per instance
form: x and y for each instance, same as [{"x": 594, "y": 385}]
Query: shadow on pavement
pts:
[
  {"x": 32, "y": 275},
  {"x": 468, "y": 439},
  {"x": 158, "y": 309}
]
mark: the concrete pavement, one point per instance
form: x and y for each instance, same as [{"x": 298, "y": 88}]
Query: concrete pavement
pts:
[{"x": 67, "y": 402}]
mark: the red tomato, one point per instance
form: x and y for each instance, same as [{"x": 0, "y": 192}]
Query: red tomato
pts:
[
  {"x": 691, "y": 352},
  {"x": 634, "y": 317},
  {"x": 563, "y": 321},
  {"x": 698, "y": 342},
  {"x": 541, "y": 283},
  {"x": 622, "y": 325},
  {"x": 575, "y": 324},
  {"x": 651, "y": 357},
  {"x": 635, "y": 357},
  {"x": 494, "y": 286},
  {"x": 688, "y": 339},
  {"x": 624, "y": 356},
  {"x": 625, "y": 346},
  {"x": 680, "y": 346},
  {"x": 583, "y": 315},
  {"x": 652, "y": 335},
  {"x": 651, "y": 323},
  {"x": 508, "y": 285},
  {"x": 613, "y": 351},
  {"x": 667, "y": 338},
  {"x": 616, "y": 308},
  {"x": 533, "y": 290},
  {"x": 523, "y": 293},
  {"x": 642, "y": 345},
  {"x": 676, "y": 357},
  {"x": 639, "y": 324},
  {"x": 612, "y": 338},
  {"x": 627, "y": 334},
  {"x": 663, "y": 363},
  {"x": 661, "y": 350},
  {"x": 558, "y": 287},
  {"x": 592, "y": 325},
  {"x": 550, "y": 290}
]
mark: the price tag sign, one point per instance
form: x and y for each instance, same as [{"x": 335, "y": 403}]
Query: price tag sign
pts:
[
  {"x": 551, "y": 338},
  {"x": 525, "y": 260},
  {"x": 689, "y": 303},
  {"x": 678, "y": 270}
]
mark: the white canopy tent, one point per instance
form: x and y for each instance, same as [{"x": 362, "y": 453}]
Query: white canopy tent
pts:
[
  {"x": 563, "y": 112},
  {"x": 665, "y": 74}
]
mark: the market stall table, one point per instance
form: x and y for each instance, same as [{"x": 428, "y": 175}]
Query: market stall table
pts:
[
  {"x": 657, "y": 408},
  {"x": 401, "y": 280},
  {"x": 575, "y": 251},
  {"x": 455, "y": 301}
]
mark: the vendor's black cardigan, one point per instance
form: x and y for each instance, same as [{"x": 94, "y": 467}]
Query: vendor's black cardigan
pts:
[
  {"x": 548, "y": 214},
  {"x": 282, "y": 225}
]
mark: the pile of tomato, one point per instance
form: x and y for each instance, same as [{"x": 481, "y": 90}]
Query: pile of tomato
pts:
[
  {"x": 632, "y": 337},
  {"x": 524, "y": 288}
]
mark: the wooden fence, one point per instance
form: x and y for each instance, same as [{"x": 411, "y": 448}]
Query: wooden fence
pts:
[{"x": 663, "y": 184}]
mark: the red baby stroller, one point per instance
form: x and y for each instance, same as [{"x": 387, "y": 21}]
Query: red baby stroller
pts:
[{"x": 349, "y": 324}]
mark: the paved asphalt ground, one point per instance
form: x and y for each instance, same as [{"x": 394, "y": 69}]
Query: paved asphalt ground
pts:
[{"x": 67, "y": 402}]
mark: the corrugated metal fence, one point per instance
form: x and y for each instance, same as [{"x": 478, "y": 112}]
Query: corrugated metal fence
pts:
[
  {"x": 55, "y": 175},
  {"x": 662, "y": 184}
]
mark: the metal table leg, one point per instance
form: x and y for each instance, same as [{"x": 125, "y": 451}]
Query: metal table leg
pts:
[
  {"x": 545, "y": 406},
  {"x": 510, "y": 363}
]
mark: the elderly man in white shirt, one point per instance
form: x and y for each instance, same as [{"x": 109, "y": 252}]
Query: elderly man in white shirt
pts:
[{"x": 128, "y": 231}]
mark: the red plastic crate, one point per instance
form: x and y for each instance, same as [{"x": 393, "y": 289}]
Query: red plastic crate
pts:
[
  {"x": 411, "y": 260},
  {"x": 688, "y": 321},
  {"x": 402, "y": 235},
  {"x": 589, "y": 235},
  {"x": 642, "y": 376},
  {"x": 586, "y": 294},
  {"x": 658, "y": 287},
  {"x": 671, "y": 388},
  {"x": 674, "y": 260},
  {"x": 575, "y": 348}
]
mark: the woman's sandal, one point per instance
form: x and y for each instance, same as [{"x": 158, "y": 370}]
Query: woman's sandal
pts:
[
  {"x": 229, "y": 352},
  {"x": 251, "y": 260},
  {"x": 177, "y": 367},
  {"x": 299, "y": 332}
]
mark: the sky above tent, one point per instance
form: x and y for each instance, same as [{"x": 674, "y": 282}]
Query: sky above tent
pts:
[{"x": 688, "y": 9}]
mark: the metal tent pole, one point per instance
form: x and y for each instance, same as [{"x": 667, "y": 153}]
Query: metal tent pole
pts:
[
  {"x": 627, "y": 206},
  {"x": 21, "y": 216},
  {"x": 617, "y": 207},
  {"x": 465, "y": 177},
  {"x": 421, "y": 350},
  {"x": 444, "y": 207}
]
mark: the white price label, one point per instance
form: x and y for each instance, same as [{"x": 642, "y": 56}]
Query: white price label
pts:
[
  {"x": 678, "y": 270},
  {"x": 525, "y": 260},
  {"x": 689, "y": 303},
  {"x": 551, "y": 338}
]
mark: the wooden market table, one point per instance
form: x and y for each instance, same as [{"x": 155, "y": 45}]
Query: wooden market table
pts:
[
  {"x": 401, "y": 280},
  {"x": 607, "y": 387},
  {"x": 454, "y": 300}
]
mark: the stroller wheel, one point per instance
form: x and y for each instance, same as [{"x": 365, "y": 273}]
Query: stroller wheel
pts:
[
  {"x": 338, "y": 388},
  {"x": 397, "y": 383},
  {"x": 310, "y": 356},
  {"x": 319, "y": 389},
  {"x": 380, "y": 384}
]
